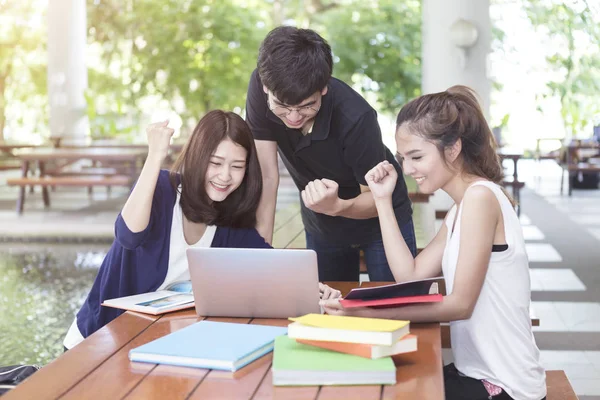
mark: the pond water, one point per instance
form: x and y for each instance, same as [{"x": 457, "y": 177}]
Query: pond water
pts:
[{"x": 41, "y": 289}]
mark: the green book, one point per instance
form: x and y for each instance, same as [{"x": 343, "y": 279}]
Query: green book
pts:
[{"x": 296, "y": 364}]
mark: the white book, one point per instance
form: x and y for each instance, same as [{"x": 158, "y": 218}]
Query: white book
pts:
[{"x": 159, "y": 302}]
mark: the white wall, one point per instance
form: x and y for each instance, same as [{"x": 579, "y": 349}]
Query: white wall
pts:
[
  {"x": 67, "y": 73},
  {"x": 441, "y": 58}
]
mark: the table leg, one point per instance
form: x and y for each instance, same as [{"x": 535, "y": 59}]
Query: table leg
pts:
[
  {"x": 515, "y": 179},
  {"x": 21, "y": 199},
  {"x": 45, "y": 195}
]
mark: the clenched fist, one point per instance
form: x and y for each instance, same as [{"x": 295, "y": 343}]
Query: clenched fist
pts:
[
  {"x": 159, "y": 139},
  {"x": 321, "y": 196}
]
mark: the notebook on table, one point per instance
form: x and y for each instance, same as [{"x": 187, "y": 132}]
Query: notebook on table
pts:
[
  {"x": 176, "y": 296},
  {"x": 299, "y": 364},
  {"x": 211, "y": 345},
  {"x": 397, "y": 294}
]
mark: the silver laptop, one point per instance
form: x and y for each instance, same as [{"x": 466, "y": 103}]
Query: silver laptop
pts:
[{"x": 259, "y": 283}]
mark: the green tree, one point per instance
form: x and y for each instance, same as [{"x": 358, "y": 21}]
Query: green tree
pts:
[
  {"x": 198, "y": 53},
  {"x": 377, "y": 46},
  {"x": 22, "y": 57},
  {"x": 574, "y": 32},
  {"x": 201, "y": 53}
]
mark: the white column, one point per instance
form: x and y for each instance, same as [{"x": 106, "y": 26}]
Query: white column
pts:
[
  {"x": 67, "y": 72},
  {"x": 441, "y": 66}
]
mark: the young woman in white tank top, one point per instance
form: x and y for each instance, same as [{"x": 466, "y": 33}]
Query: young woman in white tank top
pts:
[{"x": 444, "y": 142}]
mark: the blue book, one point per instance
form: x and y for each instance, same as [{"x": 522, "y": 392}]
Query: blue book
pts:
[{"x": 211, "y": 345}]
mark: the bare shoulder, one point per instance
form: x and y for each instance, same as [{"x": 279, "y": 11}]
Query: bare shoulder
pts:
[{"x": 481, "y": 198}]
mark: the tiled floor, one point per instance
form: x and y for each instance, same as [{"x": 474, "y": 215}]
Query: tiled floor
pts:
[
  {"x": 553, "y": 279},
  {"x": 531, "y": 232},
  {"x": 542, "y": 252},
  {"x": 564, "y": 265}
]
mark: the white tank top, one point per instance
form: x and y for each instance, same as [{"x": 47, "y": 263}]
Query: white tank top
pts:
[
  {"x": 497, "y": 343},
  {"x": 178, "y": 265}
]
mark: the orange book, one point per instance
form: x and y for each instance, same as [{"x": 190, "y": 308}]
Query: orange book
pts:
[{"x": 406, "y": 344}]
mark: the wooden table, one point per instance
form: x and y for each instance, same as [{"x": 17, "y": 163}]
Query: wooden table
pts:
[
  {"x": 7, "y": 158},
  {"x": 43, "y": 154},
  {"x": 511, "y": 154},
  {"x": 8, "y": 148},
  {"x": 515, "y": 155},
  {"x": 576, "y": 162},
  {"x": 99, "y": 368},
  {"x": 65, "y": 156}
]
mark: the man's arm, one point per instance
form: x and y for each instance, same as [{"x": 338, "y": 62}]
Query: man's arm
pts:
[
  {"x": 266, "y": 148},
  {"x": 321, "y": 196},
  {"x": 363, "y": 149},
  {"x": 360, "y": 207},
  {"x": 265, "y": 216}
]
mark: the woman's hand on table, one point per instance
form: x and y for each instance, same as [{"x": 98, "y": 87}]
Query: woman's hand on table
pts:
[{"x": 327, "y": 292}]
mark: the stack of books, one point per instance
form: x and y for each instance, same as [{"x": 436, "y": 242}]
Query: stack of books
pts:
[
  {"x": 394, "y": 295},
  {"x": 336, "y": 350}
]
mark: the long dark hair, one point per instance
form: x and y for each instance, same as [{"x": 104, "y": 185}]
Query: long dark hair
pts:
[
  {"x": 238, "y": 210},
  {"x": 443, "y": 118}
]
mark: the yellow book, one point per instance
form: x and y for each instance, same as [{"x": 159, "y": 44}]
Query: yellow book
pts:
[
  {"x": 348, "y": 329},
  {"x": 350, "y": 323}
]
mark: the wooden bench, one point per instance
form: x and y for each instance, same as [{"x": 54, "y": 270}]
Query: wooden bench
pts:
[
  {"x": 77, "y": 181},
  {"x": 558, "y": 386},
  {"x": 574, "y": 169},
  {"x": 576, "y": 159},
  {"x": 9, "y": 164},
  {"x": 85, "y": 171}
]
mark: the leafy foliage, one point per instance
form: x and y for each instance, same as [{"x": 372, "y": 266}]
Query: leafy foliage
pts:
[
  {"x": 22, "y": 62},
  {"x": 377, "y": 44},
  {"x": 199, "y": 55},
  {"x": 574, "y": 30}
]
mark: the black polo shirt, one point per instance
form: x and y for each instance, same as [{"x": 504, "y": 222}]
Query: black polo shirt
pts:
[{"x": 345, "y": 143}]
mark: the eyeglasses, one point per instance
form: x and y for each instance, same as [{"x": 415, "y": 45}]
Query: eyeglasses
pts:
[{"x": 284, "y": 111}]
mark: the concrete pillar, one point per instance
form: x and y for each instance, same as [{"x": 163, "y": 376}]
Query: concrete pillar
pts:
[
  {"x": 442, "y": 64},
  {"x": 67, "y": 72},
  {"x": 445, "y": 65}
]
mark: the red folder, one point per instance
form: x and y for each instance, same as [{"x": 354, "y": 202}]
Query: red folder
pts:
[{"x": 391, "y": 302}]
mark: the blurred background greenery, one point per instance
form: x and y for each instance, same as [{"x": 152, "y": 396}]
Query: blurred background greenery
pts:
[{"x": 192, "y": 56}]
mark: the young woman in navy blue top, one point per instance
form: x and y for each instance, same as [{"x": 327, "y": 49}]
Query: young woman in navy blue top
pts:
[{"x": 208, "y": 199}]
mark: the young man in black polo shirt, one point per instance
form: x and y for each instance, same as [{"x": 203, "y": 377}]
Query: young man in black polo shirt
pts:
[{"x": 328, "y": 138}]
